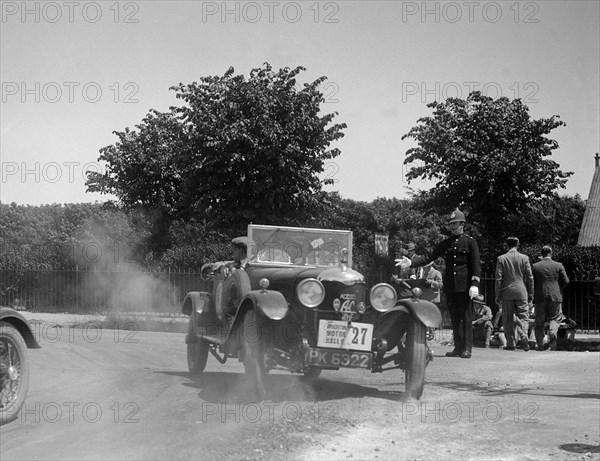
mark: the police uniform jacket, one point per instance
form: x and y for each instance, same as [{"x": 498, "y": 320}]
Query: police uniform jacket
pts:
[{"x": 463, "y": 266}]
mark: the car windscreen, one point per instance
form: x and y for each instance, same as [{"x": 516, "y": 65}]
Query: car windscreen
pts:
[{"x": 299, "y": 246}]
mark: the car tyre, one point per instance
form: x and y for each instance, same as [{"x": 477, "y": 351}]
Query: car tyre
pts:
[
  {"x": 416, "y": 360},
  {"x": 197, "y": 351},
  {"x": 253, "y": 354},
  {"x": 14, "y": 372}
]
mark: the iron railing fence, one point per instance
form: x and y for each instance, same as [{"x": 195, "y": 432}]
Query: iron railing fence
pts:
[
  {"x": 97, "y": 291},
  {"x": 579, "y": 302},
  {"x": 136, "y": 290}
]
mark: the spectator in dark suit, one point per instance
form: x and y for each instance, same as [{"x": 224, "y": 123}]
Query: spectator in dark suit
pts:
[
  {"x": 514, "y": 287},
  {"x": 550, "y": 279}
]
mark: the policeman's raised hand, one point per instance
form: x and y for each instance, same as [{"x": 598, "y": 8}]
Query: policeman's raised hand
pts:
[
  {"x": 473, "y": 292},
  {"x": 403, "y": 262}
]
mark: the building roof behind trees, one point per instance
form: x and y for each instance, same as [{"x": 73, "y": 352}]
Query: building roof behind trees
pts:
[{"x": 590, "y": 227}]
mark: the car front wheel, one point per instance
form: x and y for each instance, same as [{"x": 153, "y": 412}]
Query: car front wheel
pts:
[
  {"x": 14, "y": 372},
  {"x": 253, "y": 355},
  {"x": 416, "y": 360}
]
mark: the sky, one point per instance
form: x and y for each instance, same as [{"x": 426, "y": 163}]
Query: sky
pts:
[{"x": 74, "y": 72}]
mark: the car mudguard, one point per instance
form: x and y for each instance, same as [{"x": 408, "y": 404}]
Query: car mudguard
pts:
[
  {"x": 17, "y": 320},
  {"x": 426, "y": 312},
  {"x": 271, "y": 303}
]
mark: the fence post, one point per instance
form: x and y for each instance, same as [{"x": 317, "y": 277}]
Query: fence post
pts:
[{"x": 77, "y": 287}]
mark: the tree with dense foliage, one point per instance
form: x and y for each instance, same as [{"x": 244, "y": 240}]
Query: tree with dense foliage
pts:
[
  {"x": 59, "y": 237},
  {"x": 553, "y": 220},
  {"x": 239, "y": 150},
  {"x": 400, "y": 219},
  {"x": 488, "y": 156}
]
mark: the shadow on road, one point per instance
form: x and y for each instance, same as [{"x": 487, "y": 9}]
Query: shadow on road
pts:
[
  {"x": 229, "y": 387},
  {"x": 486, "y": 389},
  {"x": 580, "y": 448}
]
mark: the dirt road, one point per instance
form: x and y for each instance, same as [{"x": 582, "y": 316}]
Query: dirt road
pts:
[{"x": 113, "y": 394}]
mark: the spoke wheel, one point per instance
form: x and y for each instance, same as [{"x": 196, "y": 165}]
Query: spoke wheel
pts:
[
  {"x": 14, "y": 372},
  {"x": 416, "y": 360},
  {"x": 197, "y": 352}
]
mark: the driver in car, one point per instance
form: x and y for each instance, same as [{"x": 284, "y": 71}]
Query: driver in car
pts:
[{"x": 240, "y": 252}]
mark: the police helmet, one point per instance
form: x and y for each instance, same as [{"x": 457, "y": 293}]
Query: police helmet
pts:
[{"x": 456, "y": 216}]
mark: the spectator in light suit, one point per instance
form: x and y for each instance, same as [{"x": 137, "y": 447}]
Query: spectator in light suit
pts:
[
  {"x": 514, "y": 288},
  {"x": 550, "y": 279},
  {"x": 433, "y": 278}
]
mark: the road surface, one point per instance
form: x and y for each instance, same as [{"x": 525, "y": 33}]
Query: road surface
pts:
[{"x": 114, "y": 394}]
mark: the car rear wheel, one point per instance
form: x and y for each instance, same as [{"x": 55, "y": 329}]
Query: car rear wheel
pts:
[
  {"x": 14, "y": 372},
  {"x": 416, "y": 360},
  {"x": 197, "y": 350}
]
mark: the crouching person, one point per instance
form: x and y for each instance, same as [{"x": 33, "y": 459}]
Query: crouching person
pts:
[{"x": 482, "y": 322}]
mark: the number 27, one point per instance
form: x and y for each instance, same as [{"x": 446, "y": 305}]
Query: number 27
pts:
[{"x": 357, "y": 333}]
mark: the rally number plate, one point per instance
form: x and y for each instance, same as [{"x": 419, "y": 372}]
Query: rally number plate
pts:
[
  {"x": 337, "y": 334},
  {"x": 330, "y": 358}
]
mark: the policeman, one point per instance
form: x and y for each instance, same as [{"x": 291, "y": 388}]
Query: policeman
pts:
[{"x": 461, "y": 280}]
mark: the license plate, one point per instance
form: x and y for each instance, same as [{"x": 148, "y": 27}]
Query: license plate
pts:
[
  {"x": 329, "y": 358},
  {"x": 338, "y": 335}
]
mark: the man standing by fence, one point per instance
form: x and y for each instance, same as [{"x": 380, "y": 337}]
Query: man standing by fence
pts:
[
  {"x": 550, "y": 279},
  {"x": 514, "y": 288}
]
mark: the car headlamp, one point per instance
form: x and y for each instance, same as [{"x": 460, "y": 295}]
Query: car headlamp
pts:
[
  {"x": 383, "y": 297},
  {"x": 310, "y": 292}
]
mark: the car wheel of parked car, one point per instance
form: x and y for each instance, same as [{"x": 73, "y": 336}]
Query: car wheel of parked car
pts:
[
  {"x": 14, "y": 372},
  {"x": 197, "y": 351},
  {"x": 416, "y": 350}
]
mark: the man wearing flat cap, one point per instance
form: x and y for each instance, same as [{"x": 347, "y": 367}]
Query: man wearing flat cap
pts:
[
  {"x": 407, "y": 252},
  {"x": 411, "y": 250},
  {"x": 461, "y": 280},
  {"x": 240, "y": 251}
]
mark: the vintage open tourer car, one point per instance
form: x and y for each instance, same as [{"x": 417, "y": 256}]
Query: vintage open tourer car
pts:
[
  {"x": 296, "y": 303},
  {"x": 15, "y": 337}
]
